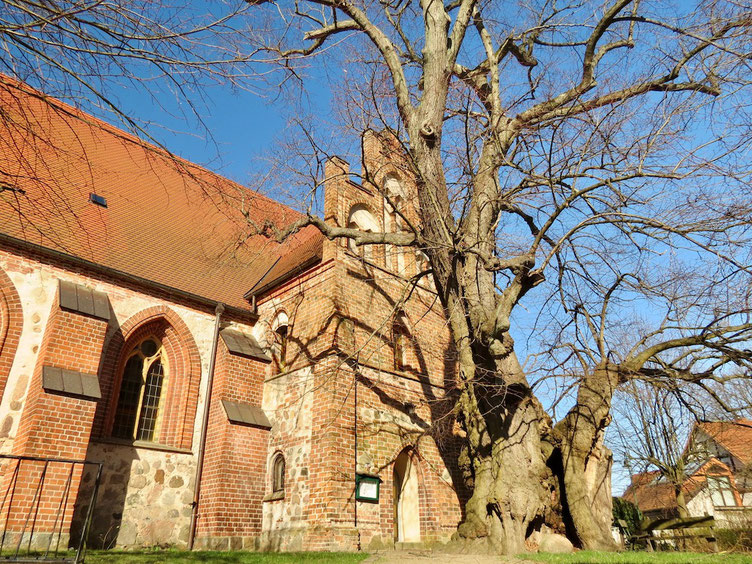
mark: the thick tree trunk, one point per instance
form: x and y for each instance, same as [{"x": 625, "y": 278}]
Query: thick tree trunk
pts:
[
  {"x": 509, "y": 476},
  {"x": 587, "y": 494},
  {"x": 501, "y": 416},
  {"x": 509, "y": 484},
  {"x": 504, "y": 422},
  {"x": 586, "y": 463}
]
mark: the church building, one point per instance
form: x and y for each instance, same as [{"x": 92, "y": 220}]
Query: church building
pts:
[{"x": 238, "y": 392}]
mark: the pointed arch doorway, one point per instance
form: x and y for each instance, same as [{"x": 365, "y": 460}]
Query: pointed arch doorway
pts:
[{"x": 406, "y": 500}]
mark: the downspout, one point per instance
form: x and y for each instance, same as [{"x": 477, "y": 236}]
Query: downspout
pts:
[
  {"x": 356, "y": 369},
  {"x": 204, "y": 428}
]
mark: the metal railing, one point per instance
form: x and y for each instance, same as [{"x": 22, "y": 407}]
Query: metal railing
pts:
[{"x": 39, "y": 505}]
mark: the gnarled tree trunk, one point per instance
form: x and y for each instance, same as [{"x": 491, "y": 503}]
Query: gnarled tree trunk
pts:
[
  {"x": 509, "y": 475},
  {"x": 505, "y": 424},
  {"x": 585, "y": 462}
]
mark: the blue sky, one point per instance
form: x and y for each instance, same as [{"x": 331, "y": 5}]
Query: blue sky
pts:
[{"x": 239, "y": 127}]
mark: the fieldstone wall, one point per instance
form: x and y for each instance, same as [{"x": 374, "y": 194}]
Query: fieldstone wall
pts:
[
  {"x": 288, "y": 402},
  {"x": 144, "y": 497}
]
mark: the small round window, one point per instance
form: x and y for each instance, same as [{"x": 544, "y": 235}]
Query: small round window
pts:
[{"x": 149, "y": 348}]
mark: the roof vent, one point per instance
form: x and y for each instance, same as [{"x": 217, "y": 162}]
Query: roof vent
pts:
[
  {"x": 9, "y": 188},
  {"x": 97, "y": 199}
]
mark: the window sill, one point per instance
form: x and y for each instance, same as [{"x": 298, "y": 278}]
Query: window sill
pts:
[
  {"x": 274, "y": 496},
  {"x": 142, "y": 444}
]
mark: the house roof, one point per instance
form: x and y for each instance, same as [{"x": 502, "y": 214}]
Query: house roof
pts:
[
  {"x": 651, "y": 493},
  {"x": 166, "y": 220},
  {"x": 734, "y": 436}
]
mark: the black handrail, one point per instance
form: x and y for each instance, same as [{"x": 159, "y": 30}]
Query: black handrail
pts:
[{"x": 23, "y": 515}]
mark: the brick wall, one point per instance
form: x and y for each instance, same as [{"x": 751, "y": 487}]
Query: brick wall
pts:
[
  {"x": 311, "y": 304},
  {"x": 11, "y": 323},
  {"x": 54, "y": 425},
  {"x": 397, "y": 409},
  {"x": 234, "y": 476}
]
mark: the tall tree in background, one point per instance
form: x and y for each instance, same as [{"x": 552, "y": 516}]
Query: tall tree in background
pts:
[
  {"x": 650, "y": 432},
  {"x": 590, "y": 158}
]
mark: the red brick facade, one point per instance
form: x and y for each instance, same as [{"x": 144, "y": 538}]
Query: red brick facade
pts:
[
  {"x": 367, "y": 370},
  {"x": 53, "y": 425},
  {"x": 234, "y": 478}
]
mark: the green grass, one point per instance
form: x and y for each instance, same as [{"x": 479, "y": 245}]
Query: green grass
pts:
[
  {"x": 180, "y": 557},
  {"x": 586, "y": 557}
]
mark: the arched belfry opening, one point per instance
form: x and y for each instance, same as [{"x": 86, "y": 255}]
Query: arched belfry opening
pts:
[
  {"x": 393, "y": 221},
  {"x": 361, "y": 218},
  {"x": 406, "y": 498}
]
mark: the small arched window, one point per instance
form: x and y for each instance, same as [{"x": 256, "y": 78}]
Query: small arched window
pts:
[
  {"x": 400, "y": 345},
  {"x": 361, "y": 218},
  {"x": 280, "y": 336},
  {"x": 141, "y": 392},
  {"x": 278, "y": 474}
]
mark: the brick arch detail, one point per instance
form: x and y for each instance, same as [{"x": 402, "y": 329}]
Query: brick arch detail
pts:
[
  {"x": 423, "y": 469},
  {"x": 11, "y": 324},
  {"x": 183, "y": 378},
  {"x": 413, "y": 451},
  {"x": 367, "y": 206}
]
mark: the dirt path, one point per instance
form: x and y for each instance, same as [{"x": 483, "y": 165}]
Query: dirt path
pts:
[{"x": 427, "y": 556}]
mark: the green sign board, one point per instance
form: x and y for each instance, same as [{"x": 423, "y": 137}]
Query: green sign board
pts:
[{"x": 367, "y": 488}]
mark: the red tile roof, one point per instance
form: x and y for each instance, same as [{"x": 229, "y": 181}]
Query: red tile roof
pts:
[
  {"x": 649, "y": 493},
  {"x": 734, "y": 436},
  {"x": 167, "y": 220}
]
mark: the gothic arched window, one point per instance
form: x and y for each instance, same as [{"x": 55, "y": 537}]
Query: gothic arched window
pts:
[
  {"x": 141, "y": 392},
  {"x": 278, "y": 473}
]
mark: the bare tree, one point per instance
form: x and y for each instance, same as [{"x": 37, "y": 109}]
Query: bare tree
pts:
[
  {"x": 594, "y": 152},
  {"x": 88, "y": 52},
  {"x": 589, "y": 151},
  {"x": 650, "y": 433}
]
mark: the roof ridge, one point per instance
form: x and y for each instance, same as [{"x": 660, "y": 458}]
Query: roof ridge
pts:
[
  {"x": 169, "y": 221},
  {"x": 155, "y": 147}
]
